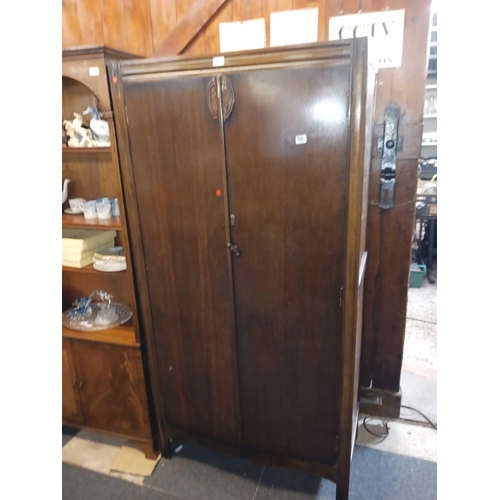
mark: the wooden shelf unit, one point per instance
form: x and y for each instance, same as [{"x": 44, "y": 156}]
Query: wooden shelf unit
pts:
[
  {"x": 79, "y": 222},
  {"x": 95, "y": 173},
  {"x": 86, "y": 150},
  {"x": 121, "y": 335},
  {"x": 89, "y": 269}
]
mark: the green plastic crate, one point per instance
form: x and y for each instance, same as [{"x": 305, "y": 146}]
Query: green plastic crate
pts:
[{"x": 418, "y": 271}]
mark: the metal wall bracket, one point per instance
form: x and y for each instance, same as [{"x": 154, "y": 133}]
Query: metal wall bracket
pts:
[
  {"x": 380, "y": 144},
  {"x": 389, "y": 145}
]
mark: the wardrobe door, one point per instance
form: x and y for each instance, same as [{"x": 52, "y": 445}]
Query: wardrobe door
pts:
[
  {"x": 176, "y": 154},
  {"x": 287, "y": 157}
]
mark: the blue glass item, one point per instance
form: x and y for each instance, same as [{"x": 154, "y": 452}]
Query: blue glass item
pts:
[
  {"x": 82, "y": 309},
  {"x": 115, "y": 209}
]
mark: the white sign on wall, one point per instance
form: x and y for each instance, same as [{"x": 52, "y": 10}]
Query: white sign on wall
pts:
[
  {"x": 292, "y": 27},
  {"x": 245, "y": 35},
  {"x": 385, "y": 27}
]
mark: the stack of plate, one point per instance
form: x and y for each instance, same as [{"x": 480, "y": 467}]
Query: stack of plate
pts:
[{"x": 110, "y": 260}]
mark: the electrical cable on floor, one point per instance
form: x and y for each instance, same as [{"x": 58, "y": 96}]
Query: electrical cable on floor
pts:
[
  {"x": 418, "y": 411},
  {"x": 382, "y": 436},
  {"x": 422, "y": 320},
  {"x": 260, "y": 479}
]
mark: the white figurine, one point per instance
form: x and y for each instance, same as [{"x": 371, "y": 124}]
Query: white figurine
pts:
[
  {"x": 79, "y": 137},
  {"x": 65, "y": 190},
  {"x": 100, "y": 128}
]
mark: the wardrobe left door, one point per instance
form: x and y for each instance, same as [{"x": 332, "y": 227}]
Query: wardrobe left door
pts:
[{"x": 177, "y": 162}]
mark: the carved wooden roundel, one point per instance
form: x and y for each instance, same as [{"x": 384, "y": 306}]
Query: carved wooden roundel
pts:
[
  {"x": 212, "y": 98},
  {"x": 228, "y": 98}
]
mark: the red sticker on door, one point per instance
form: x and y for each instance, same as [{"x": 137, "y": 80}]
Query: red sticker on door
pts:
[{"x": 218, "y": 192}]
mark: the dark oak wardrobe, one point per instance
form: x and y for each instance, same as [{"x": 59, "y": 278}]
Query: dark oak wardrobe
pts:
[{"x": 245, "y": 184}]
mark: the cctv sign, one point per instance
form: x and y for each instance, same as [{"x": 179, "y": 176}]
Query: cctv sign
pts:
[{"x": 386, "y": 28}]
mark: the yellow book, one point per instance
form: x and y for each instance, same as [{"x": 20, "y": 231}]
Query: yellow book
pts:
[
  {"x": 85, "y": 261},
  {"x": 85, "y": 239},
  {"x": 76, "y": 253}
]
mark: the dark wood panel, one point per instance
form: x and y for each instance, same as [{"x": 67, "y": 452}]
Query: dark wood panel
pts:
[
  {"x": 175, "y": 148},
  {"x": 355, "y": 264},
  {"x": 112, "y": 388},
  {"x": 71, "y": 404},
  {"x": 289, "y": 202},
  {"x": 389, "y": 232},
  {"x": 409, "y": 80},
  {"x": 132, "y": 214},
  {"x": 385, "y": 321}
]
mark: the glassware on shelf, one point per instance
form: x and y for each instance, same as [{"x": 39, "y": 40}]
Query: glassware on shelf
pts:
[
  {"x": 89, "y": 209},
  {"x": 103, "y": 206},
  {"x": 115, "y": 208},
  {"x": 88, "y": 315},
  {"x": 81, "y": 311}
]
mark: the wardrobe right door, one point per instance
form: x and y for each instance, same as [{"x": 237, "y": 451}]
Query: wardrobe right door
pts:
[{"x": 287, "y": 155}]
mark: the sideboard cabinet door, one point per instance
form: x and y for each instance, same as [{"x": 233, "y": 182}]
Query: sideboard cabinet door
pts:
[{"x": 112, "y": 388}]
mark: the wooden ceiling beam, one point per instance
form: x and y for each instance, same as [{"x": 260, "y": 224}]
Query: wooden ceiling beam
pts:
[{"x": 194, "y": 20}]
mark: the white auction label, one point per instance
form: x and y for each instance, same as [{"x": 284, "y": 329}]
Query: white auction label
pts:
[
  {"x": 94, "y": 71},
  {"x": 301, "y": 139},
  {"x": 218, "y": 61}
]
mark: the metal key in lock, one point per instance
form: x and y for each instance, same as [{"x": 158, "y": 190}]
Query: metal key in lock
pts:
[{"x": 234, "y": 249}]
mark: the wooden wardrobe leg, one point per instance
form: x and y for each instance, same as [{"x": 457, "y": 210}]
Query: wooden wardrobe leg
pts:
[
  {"x": 167, "y": 453},
  {"x": 343, "y": 480}
]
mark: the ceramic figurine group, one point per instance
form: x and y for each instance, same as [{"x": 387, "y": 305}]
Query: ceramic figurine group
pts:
[{"x": 75, "y": 135}]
